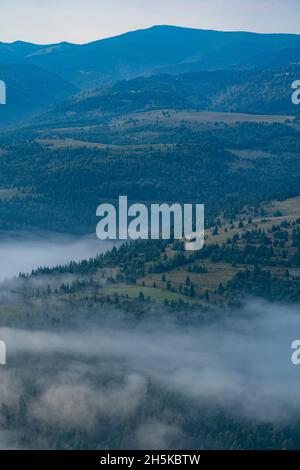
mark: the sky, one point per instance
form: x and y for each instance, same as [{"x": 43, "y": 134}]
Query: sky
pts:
[{"x": 80, "y": 21}]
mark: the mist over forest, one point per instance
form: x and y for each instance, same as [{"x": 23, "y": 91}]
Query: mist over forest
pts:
[
  {"x": 22, "y": 252},
  {"x": 117, "y": 345},
  {"x": 152, "y": 383}
]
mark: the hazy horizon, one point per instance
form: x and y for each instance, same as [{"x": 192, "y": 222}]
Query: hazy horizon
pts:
[
  {"x": 140, "y": 29},
  {"x": 44, "y": 22}
]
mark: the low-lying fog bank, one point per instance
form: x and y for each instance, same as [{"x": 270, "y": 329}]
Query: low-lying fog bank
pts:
[
  {"x": 154, "y": 384},
  {"x": 24, "y": 251}
]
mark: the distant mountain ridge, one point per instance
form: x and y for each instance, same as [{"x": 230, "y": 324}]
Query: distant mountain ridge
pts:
[
  {"x": 160, "y": 49},
  {"x": 227, "y": 64}
]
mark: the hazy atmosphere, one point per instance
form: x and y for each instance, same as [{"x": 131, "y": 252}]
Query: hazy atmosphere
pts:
[
  {"x": 149, "y": 227},
  {"x": 43, "y": 21},
  {"x": 106, "y": 374},
  {"x": 23, "y": 251}
]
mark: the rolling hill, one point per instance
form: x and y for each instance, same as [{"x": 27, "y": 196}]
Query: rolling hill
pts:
[
  {"x": 160, "y": 49},
  {"x": 252, "y": 92}
]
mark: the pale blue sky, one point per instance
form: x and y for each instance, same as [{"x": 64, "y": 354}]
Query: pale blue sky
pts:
[{"x": 46, "y": 21}]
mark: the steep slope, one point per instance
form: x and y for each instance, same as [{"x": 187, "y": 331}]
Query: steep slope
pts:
[{"x": 30, "y": 90}]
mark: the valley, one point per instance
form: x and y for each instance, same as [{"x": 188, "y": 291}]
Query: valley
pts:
[{"x": 144, "y": 344}]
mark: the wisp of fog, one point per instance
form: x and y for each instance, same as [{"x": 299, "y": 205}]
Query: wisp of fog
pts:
[{"x": 92, "y": 374}]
